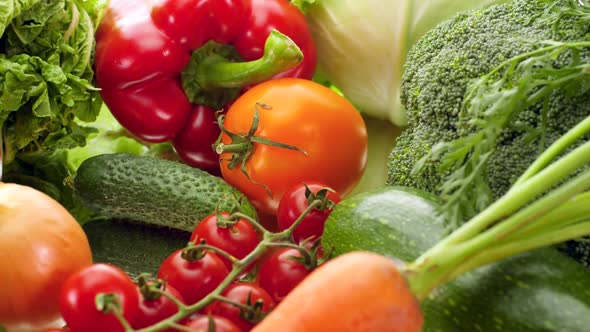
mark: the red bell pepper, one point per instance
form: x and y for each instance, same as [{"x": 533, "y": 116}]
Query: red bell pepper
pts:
[{"x": 165, "y": 66}]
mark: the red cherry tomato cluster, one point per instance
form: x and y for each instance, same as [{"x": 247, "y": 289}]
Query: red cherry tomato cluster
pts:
[{"x": 103, "y": 297}]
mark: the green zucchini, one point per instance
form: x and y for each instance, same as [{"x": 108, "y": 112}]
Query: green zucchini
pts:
[
  {"x": 539, "y": 291},
  {"x": 154, "y": 191}
]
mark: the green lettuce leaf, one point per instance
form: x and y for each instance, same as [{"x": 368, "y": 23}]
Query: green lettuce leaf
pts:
[
  {"x": 46, "y": 75},
  {"x": 9, "y": 9}
]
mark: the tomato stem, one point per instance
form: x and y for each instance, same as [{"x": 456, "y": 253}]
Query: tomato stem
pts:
[
  {"x": 203, "y": 246},
  {"x": 113, "y": 306},
  {"x": 242, "y": 145},
  {"x": 251, "y": 220},
  {"x": 269, "y": 240}
]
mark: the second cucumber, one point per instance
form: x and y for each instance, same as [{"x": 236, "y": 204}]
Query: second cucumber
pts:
[{"x": 154, "y": 191}]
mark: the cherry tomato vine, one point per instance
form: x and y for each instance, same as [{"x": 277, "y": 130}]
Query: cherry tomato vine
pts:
[{"x": 230, "y": 301}]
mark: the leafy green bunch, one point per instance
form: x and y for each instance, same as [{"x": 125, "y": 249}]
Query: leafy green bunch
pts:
[{"x": 46, "y": 75}]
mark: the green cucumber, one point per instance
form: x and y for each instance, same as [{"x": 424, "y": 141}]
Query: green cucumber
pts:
[
  {"x": 539, "y": 291},
  {"x": 136, "y": 248},
  {"x": 154, "y": 191}
]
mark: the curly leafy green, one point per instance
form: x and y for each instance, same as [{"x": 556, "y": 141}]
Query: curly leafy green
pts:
[{"x": 46, "y": 75}]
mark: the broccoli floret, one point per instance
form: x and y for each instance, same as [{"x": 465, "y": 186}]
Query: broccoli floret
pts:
[
  {"x": 442, "y": 64},
  {"x": 449, "y": 58}
]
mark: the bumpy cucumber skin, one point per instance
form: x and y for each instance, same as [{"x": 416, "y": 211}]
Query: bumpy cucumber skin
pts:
[
  {"x": 539, "y": 291},
  {"x": 153, "y": 191}
]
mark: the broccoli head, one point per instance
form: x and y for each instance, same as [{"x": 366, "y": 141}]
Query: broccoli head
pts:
[{"x": 443, "y": 63}]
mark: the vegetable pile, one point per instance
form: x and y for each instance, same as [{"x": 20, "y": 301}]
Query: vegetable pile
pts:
[
  {"x": 217, "y": 186},
  {"x": 170, "y": 87},
  {"x": 228, "y": 277}
]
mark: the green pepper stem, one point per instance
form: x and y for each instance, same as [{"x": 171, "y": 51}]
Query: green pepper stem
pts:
[{"x": 280, "y": 54}]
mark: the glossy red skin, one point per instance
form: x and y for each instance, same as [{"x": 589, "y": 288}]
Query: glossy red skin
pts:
[
  {"x": 77, "y": 298},
  {"x": 239, "y": 292},
  {"x": 153, "y": 311},
  {"x": 279, "y": 274},
  {"x": 201, "y": 323},
  {"x": 142, "y": 46},
  {"x": 238, "y": 241},
  {"x": 292, "y": 205},
  {"x": 194, "y": 142},
  {"x": 262, "y": 16},
  {"x": 193, "y": 280}
]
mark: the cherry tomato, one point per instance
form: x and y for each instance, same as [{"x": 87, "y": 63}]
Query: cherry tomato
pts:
[
  {"x": 292, "y": 205},
  {"x": 56, "y": 330},
  {"x": 299, "y": 113},
  {"x": 194, "y": 142},
  {"x": 41, "y": 244},
  {"x": 78, "y": 295},
  {"x": 245, "y": 294},
  {"x": 201, "y": 323},
  {"x": 155, "y": 307},
  {"x": 193, "y": 278},
  {"x": 238, "y": 240},
  {"x": 282, "y": 272}
]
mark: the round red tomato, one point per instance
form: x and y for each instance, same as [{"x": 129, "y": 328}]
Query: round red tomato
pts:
[
  {"x": 295, "y": 201},
  {"x": 246, "y": 294},
  {"x": 193, "y": 278},
  {"x": 238, "y": 240},
  {"x": 79, "y": 292},
  {"x": 154, "y": 307},
  {"x": 202, "y": 323},
  {"x": 281, "y": 272},
  {"x": 299, "y": 113}
]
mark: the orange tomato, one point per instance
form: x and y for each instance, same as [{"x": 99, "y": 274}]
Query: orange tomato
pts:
[
  {"x": 303, "y": 114},
  {"x": 40, "y": 245}
]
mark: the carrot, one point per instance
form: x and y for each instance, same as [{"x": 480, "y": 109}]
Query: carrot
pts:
[{"x": 356, "y": 292}]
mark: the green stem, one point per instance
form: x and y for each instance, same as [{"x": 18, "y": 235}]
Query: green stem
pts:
[
  {"x": 251, "y": 220},
  {"x": 522, "y": 194},
  {"x": 486, "y": 231},
  {"x": 234, "y": 303},
  {"x": 119, "y": 315},
  {"x": 179, "y": 327},
  {"x": 232, "y": 148},
  {"x": 287, "y": 232},
  {"x": 280, "y": 54},
  {"x": 572, "y": 211},
  {"x": 507, "y": 248},
  {"x": 216, "y": 250}
]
